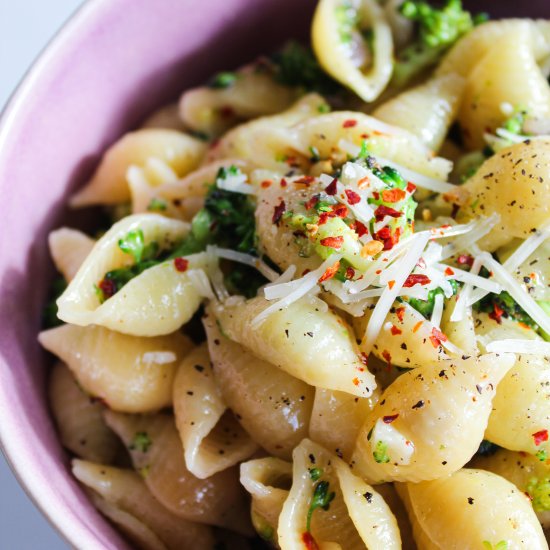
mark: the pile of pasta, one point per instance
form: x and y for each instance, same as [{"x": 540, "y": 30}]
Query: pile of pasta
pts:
[{"x": 321, "y": 318}]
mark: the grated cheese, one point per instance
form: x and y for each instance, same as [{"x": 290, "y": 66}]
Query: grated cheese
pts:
[{"x": 531, "y": 347}]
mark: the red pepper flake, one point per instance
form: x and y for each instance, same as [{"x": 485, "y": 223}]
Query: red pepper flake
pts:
[
  {"x": 396, "y": 330},
  {"x": 330, "y": 272},
  {"x": 356, "y": 381},
  {"x": 387, "y": 237},
  {"x": 390, "y": 418},
  {"x": 360, "y": 228},
  {"x": 309, "y": 542},
  {"x": 350, "y": 123},
  {"x": 350, "y": 273},
  {"x": 400, "y": 312},
  {"x": 539, "y": 437},
  {"x": 376, "y": 195},
  {"x": 323, "y": 217},
  {"x": 278, "y": 212},
  {"x": 181, "y": 264},
  {"x": 227, "y": 111},
  {"x": 449, "y": 271},
  {"x": 332, "y": 187},
  {"x": 393, "y": 195},
  {"x": 305, "y": 180},
  {"x": 465, "y": 259},
  {"x": 339, "y": 210},
  {"x": 496, "y": 314},
  {"x": 108, "y": 287},
  {"x": 382, "y": 211},
  {"x": 391, "y": 284},
  {"x": 417, "y": 326},
  {"x": 437, "y": 337},
  {"x": 387, "y": 357},
  {"x": 266, "y": 183},
  {"x": 283, "y": 182},
  {"x": 352, "y": 196},
  {"x": 363, "y": 358},
  {"x": 311, "y": 202},
  {"x": 411, "y": 187},
  {"x": 332, "y": 242},
  {"x": 416, "y": 279}
]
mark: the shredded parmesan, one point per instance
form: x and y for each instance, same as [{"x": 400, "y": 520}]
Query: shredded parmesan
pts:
[
  {"x": 531, "y": 347},
  {"x": 247, "y": 259},
  {"x": 201, "y": 282},
  {"x": 480, "y": 229},
  {"x": 236, "y": 184}
]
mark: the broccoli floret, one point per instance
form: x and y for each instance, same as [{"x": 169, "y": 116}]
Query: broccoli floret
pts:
[
  {"x": 438, "y": 29},
  {"x": 426, "y": 307}
]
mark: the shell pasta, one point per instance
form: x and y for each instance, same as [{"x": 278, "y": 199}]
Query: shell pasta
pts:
[{"x": 314, "y": 313}]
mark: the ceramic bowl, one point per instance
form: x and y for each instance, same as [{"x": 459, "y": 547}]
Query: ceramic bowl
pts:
[{"x": 111, "y": 65}]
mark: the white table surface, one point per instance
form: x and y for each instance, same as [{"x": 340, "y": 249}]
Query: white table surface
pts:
[{"x": 25, "y": 28}]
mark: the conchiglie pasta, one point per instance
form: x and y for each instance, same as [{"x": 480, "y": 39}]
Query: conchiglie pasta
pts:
[
  {"x": 336, "y": 419},
  {"x": 513, "y": 183},
  {"x": 251, "y": 94},
  {"x": 356, "y": 517},
  {"x": 508, "y": 73},
  {"x": 108, "y": 185},
  {"x": 268, "y": 481},
  {"x": 273, "y": 406},
  {"x": 79, "y": 419},
  {"x": 157, "y": 301},
  {"x": 129, "y": 374},
  {"x": 430, "y": 421},
  {"x": 444, "y": 507},
  {"x": 306, "y": 340},
  {"x": 69, "y": 248},
  {"x": 427, "y": 111},
  {"x": 166, "y": 117},
  {"x": 212, "y": 438},
  {"x": 345, "y": 54},
  {"x": 126, "y": 491},
  {"x": 528, "y": 473},
  {"x": 157, "y": 453}
]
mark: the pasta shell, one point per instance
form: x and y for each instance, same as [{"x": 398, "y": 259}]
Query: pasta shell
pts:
[
  {"x": 306, "y": 340},
  {"x": 212, "y": 438},
  {"x": 108, "y": 185},
  {"x": 166, "y": 118},
  {"x": 217, "y": 500},
  {"x": 272, "y": 406},
  {"x": 430, "y": 421},
  {"x": 69, "y": 248},
  {"x": 129, "y": 374}
]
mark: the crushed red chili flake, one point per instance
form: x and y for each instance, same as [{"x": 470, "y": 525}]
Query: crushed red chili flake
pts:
[
  {"x": 382, "y": 211},
  {"x": 181, "y": 264},
  {"x": 340, "y": 210},
  {"x": 350, "y": 273},
  {"x": 108, "y": 287},
  {"x": 417, "y": 326},
  {"x": 376, "y": 195},
  {"x": 465, "y": 259},
  {"x": 364, "y": 358},
  {"x": 496, "y": 314},
  {"x": 387, "y": 357},
  {"x": 332, "y": 242},
  {"x": 323, "y": 217},
  {"x": 332, "y": 187},
  {"x": 305, "y": 180},
  {"x": 352, "y": 196},
  {"x": 387, "y": 237},
  {"x": 278, "y": 212},
  {"x": 390, "y": 418},
  {"x": 449, "y": 271},
  {"x": 360, "y": 228},
  {"x": 411, "y": 187},
  {"x": 391, "y": 284},
  {"x": 311, "y": 202},
  {"x": 400, "y": 312},
  {"x": 350, "y": 123},
  {"x": 227, "y": 111},
  {"x": 437, "y": 337},
  {"x": 309, "y": 542},
  {"x": 330, "y": 272},
  {"x": 540, "y": 437},
  {"x": 283, "y": 182},
  {"x": 416, "y": 279},
  {"x": 396, "y": 330},
  {"x": 266, "y": 183},
  {"x": 393, "y": 195},
  {"x": 356, "y": 381}
]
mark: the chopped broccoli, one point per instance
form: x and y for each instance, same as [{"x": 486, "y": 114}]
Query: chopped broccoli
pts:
[
  {"x": 222, "y": 80},
  {"x": 503, "y": 305},
  {"x": 295, "y": 65},
  {"x": 321, "y": 499},
  {"x": 426, "y": 307},
  {"x": 539, "y": 491},
  {"x": 49, "y": 314},
  {"x": 438, "y": 30}
]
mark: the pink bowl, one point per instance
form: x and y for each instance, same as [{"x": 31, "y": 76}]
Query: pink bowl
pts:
[{"x": 110, "y": 66}]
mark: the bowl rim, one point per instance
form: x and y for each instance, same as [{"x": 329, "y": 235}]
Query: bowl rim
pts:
[{"x": 10, "y": 439}]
